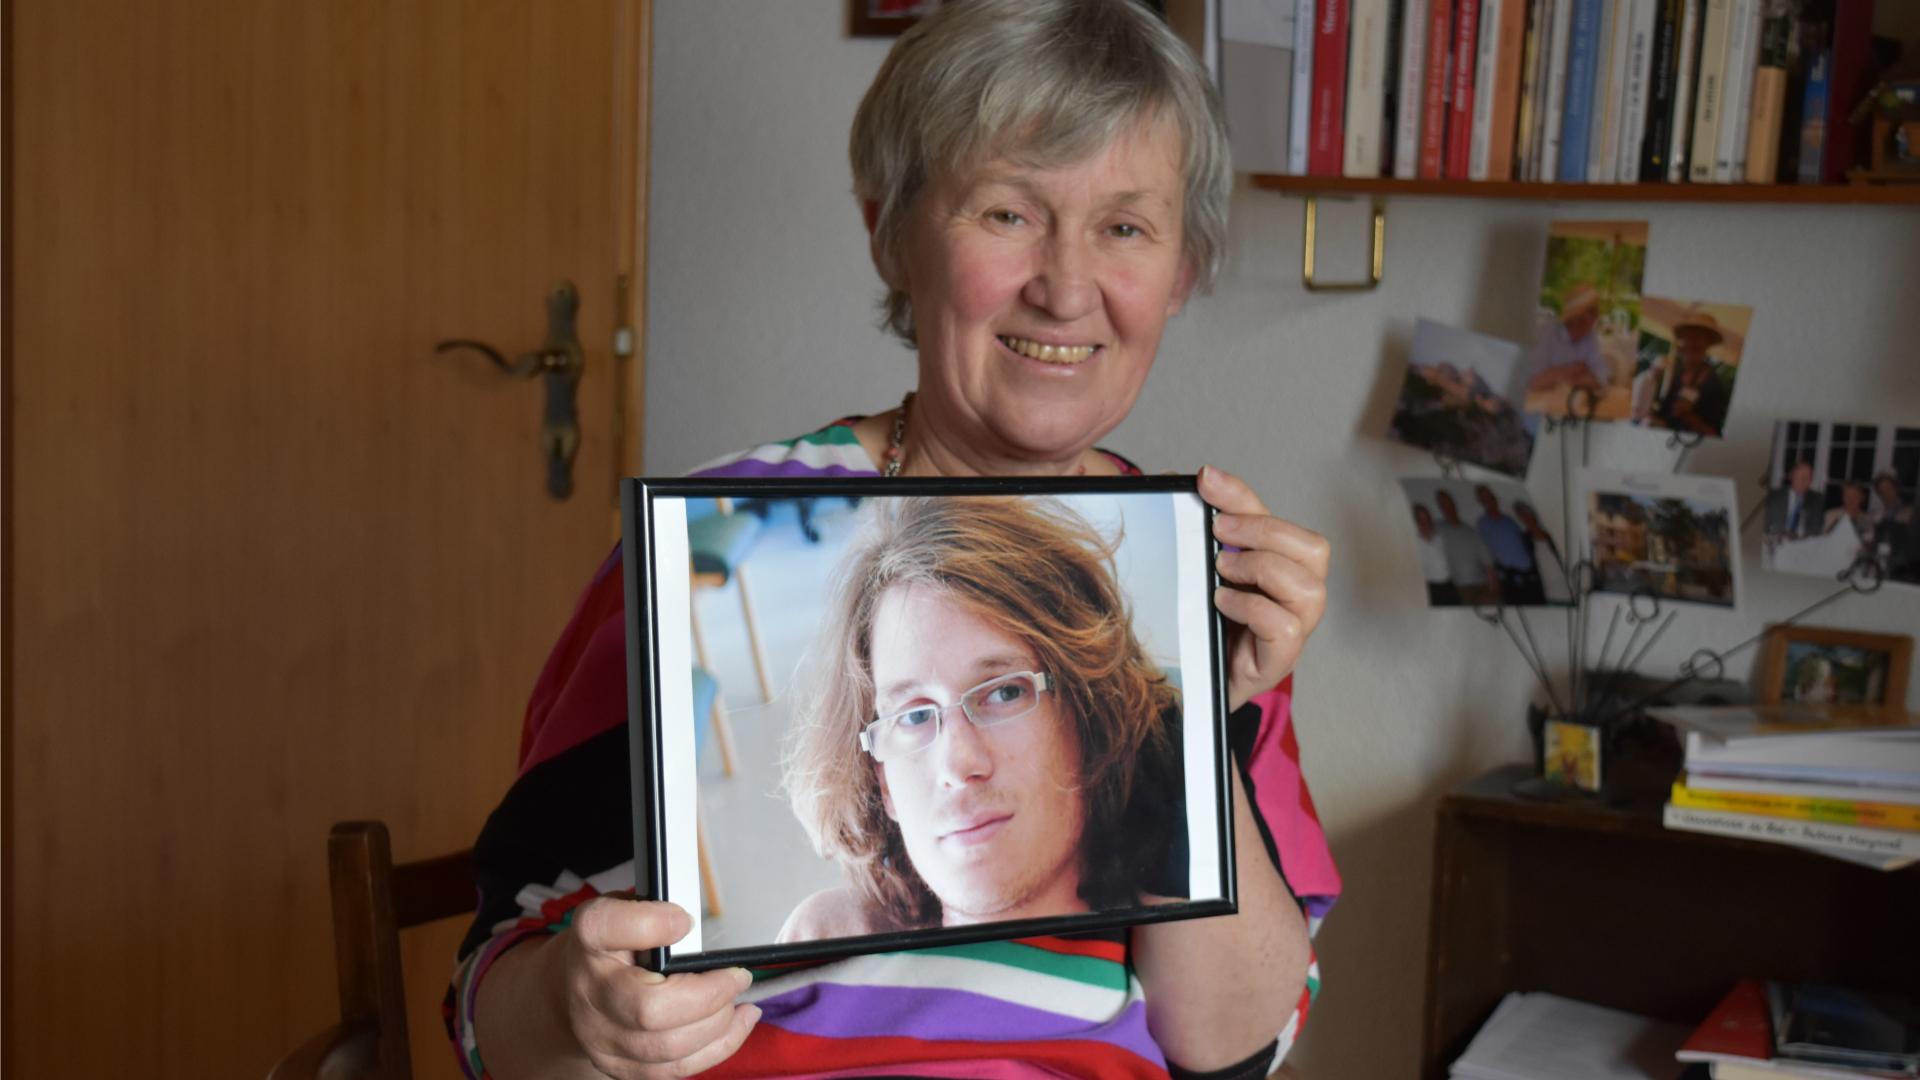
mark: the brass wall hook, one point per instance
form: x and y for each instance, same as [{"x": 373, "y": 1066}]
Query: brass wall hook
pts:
[{"x": 1377, "y": 265}]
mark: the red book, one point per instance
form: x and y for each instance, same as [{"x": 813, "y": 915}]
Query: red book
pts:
[
  {"x": 1433, "y": 108},
  {"x": 1852, "y": 56},
  {"x": 1327, "y": 137},
  {"x": 1736, "y": 1030},
  {"x": 1466, "y": 26}
]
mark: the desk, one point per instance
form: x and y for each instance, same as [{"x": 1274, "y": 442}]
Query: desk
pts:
[{"x": 1604, "y": 904}]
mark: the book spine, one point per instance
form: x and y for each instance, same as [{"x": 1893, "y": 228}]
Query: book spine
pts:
[
  {"x": 1554, "y": 97},
  {"x": 1846, "y": 84},
  {"x": 1526, "y": 150},
  {"x": 1433, "y": 111},
  {"x": 1485, "y": 63},
  {"x": 1583, "y": 51},
  {"x": 1878, "y": 842},
  {"x": 1466, "y": 35},
  {"x": 1706, "y": 110},
  {"x": 1412, "y": 93},
  {"x": 1366, "y": 78},
  {"x": 1662, "y": 70},
  {"x": 1633, "y": 113},
  {"x": 1686, "y": 75},
  {"x": 1604, "y": 166},
  {"x": 1769, "y": 101},
  {"x": 1390, "y": 85},
  {"x": 1299, "y": 139},
  {"x": 1553, "y": 119},
  {"x": 1813, "y": 122},
  {"x": 1504, "y": 122},
  {"x": 1749, "y": 80},
  {"x": 1734, "y": 85},
  {"x": 1324, "y": 156},
  {"x": 1801, "y": 808}
]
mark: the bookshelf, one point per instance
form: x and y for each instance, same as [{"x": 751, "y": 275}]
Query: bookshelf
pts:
[
  {"x": 1796, "y": 194},
  {"x": 1604, "y": 904}
]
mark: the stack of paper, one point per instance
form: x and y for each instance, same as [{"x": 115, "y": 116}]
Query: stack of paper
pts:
[{"x": 1546, "y": 1037}]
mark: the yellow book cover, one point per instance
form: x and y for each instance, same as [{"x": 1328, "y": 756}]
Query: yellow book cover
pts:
[{"x": 1800, "y": 807}]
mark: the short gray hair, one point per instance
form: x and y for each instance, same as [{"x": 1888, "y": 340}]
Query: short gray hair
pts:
[{"x": 1043, "y": 82}]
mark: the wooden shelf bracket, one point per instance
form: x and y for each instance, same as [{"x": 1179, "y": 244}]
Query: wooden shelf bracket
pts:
[{"x": 1377, "y": 265}]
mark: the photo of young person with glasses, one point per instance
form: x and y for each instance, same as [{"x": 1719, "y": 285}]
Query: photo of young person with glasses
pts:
[{"x": 986, "y": 739}]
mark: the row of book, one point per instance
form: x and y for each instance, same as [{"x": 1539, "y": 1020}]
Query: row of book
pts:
[
  {"x": 1762, "y": 1030},
  {"x": 1573, "y": 91},
  {"x": 1837, "y": 780}
]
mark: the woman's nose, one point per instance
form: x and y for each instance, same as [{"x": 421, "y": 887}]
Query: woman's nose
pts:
[
  {"x": 959, "y": 751},
  {"x": 1062, "y": 284}
]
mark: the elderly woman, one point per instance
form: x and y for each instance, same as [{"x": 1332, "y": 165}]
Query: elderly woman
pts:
[{"x": 1044, "y": 183}]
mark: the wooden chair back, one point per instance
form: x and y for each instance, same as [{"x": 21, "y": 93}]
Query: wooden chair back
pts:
[{"x": 373, "y": 900}]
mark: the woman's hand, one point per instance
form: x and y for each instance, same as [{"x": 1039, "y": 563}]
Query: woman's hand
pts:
[
  {"x": 574, "y": 1004},
  {"x": 1278, "y": 586}
]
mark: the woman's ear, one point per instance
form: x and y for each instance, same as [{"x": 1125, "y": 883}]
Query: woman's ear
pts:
[
  {"x": 882, "y": 261},
  {"x": 886, "y": 797}
]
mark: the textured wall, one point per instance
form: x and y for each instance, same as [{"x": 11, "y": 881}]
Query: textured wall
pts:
[{"x": 760, "y": 316}]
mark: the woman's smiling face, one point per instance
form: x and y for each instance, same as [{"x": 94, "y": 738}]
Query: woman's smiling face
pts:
[
  {"x": 1039, "y": 294},
  {"x": 992, "y": 817}
]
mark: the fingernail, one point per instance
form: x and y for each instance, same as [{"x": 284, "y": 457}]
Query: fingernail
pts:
[
  {"x": 742, "y": 979},
  {"x": 753, "y": 1017},
  {"x": 679, "y": 923},
  {"x": 1204, "y": 469},
  {"x": 1225, "y": 522},
  {"x": 1228, "y": 556}
]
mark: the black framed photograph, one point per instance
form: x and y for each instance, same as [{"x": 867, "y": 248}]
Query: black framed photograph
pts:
[{"x": 870, "y": 715}]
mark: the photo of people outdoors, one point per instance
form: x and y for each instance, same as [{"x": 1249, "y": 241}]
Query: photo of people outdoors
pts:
[
  {"x": 1587, "y": 327},
  {"x": 1688, "y": 359},
  {"x": 1461, "y": 399},
  {"x": 1819, "y": 673},
  {"x": 1482, "y": 544},
  {"x": 1840, "y": 501},
  {"x": 976, "y": 716},
  {"x": 1668, "y": 536}
]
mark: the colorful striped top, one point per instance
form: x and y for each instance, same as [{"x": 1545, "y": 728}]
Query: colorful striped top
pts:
[{"x": 1042, "y": 1007}]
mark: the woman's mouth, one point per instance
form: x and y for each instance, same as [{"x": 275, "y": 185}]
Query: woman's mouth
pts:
[{"x": 1048, "y": 354}]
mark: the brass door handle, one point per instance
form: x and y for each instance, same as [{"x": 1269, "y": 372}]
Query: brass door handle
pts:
[{"x": 559, "y": 362}]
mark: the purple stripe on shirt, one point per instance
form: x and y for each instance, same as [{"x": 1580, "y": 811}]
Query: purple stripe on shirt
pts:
[
  {"x": 752, "y": 467},
  {"x": 838, "y": 1011}
]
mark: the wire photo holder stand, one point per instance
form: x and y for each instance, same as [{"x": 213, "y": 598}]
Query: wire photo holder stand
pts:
[{"x": 1596, "y": 695}]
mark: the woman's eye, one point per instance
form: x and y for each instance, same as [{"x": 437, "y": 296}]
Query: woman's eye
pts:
[
  {"x": 1005, "y": 217},
  {"x": 915, "y": 717},
  {"x": 1125, "y": 231},
  {"x": 1002, "y": 695}
]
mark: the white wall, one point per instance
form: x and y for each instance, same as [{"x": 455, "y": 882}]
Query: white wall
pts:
[{"x": 760, "y": 326}]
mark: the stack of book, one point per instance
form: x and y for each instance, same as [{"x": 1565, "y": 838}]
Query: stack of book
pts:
[
  {"x": 1807, "y": 1031},
  {"x": 1573, "y": 91},
  {"x": 1837, "y": 780},
  {"x": 1541, "y": 1036}
]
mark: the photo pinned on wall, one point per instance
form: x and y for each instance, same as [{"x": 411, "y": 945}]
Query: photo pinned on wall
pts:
[
  {"x": 1057, "y": 638},
  {"x": 1587, "y": 326},
  {"x": 1816, "y": 665},
  {"x": 1570, "y": 755},
  {"x": 1461, "y": 399},
  {"x": 1840, "y": 501},
  {"x": 1662, "y": 535},
  {"x": 1688, "y": 358},
  {"x": 1482, "y": 544}
]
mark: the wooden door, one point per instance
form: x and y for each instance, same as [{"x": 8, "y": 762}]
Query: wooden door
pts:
[{"x": 271, "y": 561}]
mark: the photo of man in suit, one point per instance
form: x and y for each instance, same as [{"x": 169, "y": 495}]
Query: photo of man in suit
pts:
[{"x": 1796, "y": 511}]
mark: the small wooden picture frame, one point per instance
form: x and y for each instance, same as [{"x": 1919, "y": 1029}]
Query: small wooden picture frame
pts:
[
  {"x": 885, "y": 18},
  {"x": 1820, "y": 665}
]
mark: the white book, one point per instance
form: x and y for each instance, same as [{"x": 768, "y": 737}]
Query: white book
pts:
[
  {"x": 1302, "y": 102},
  {"x": 1759, "y": 785},
  {"x": 1413, "y": 88},
  {"x": 1734, "y": 82},
  {"x": 1540, "y": 1036},
  {"x": 1683, "y": 91},
  {"x": 1485, "y": 69},
  {"x": 1756, "y": 20},
  {"x": 1633, "y": 110},
  {"x": 1256, "y": 81},
  {"x": 1611, "y": 116},
  {"x": 1887, "y": 843},
  {"x": 1711, "y": 90},
  {"x": 1556, "y": 102},
  {"x": 1366, "y": 87}
]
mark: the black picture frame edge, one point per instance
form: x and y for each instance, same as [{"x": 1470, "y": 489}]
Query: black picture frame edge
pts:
[{"x": 644, "y": 719}]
